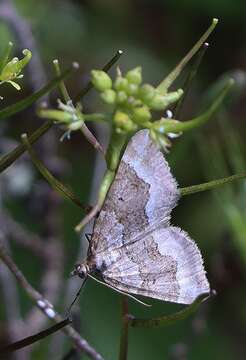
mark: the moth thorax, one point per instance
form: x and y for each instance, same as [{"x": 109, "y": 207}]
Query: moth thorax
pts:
[{"x": 81, "y": 270}]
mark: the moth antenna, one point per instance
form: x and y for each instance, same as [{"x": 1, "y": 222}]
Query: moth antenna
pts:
[
  {"x": 119, "y": 291},
  {"x": 75, "y": 298}
]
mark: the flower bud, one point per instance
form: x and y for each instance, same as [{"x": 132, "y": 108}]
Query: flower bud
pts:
[
  {"x": 120, "y": 83},
  {"x": 160, "y": 102},
  {"x": 146, "y": 93},
  {"x": 121, "y": 97},
  {"x": 108, "y": 96},
  {"x": 132, "y": 89},
  {"x": 124, "y": 122},
  {"x": 101, "y": 80},
  {"x": 134, "y": 76},
  {"x": 141, "y": 115}
]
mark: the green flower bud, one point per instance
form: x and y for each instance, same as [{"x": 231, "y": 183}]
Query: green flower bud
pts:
[
  {"x": 141, "y": 115},
  {"x": 123, "y": 122},
  {"x": 108, "y": 96},
  {"x": 134, "y": 76},
  {"x": 146, "y": 93},
  {"x": 121, "y": 97},
  {"x": 56, "y": 115},
  {"x": 101, "y": 80},
  {"x": 161, "y": 102},
  {"x": 121, "y": 84},
  {"x": 132, "y": 89}
]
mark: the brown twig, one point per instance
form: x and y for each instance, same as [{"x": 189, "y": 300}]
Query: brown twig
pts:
[
  {"x": 14, "y": 324},
  {"x": 46, "y": 307},
  {"x": 124, "y": 329}
]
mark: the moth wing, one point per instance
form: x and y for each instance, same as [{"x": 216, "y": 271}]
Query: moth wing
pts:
[
  {"x": 142, "y": 195},
  {"x": 165, "y": 265}
]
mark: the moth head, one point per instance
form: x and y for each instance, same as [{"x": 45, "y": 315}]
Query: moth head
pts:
[{"x": 81, "y": 270}]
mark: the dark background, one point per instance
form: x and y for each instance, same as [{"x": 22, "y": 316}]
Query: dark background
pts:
[{"x": 156, "y": 35}]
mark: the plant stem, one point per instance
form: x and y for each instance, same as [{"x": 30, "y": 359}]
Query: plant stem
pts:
[
  {"x": 113, "y": 155},
  {"x": 165, "y": 84},
  {"x": 124, "y": 329},
  {"x": 8, "y": 159},
  {"x": 201, "y": 119},
  {"x": 188, "y": 82},
  {"x": 168, "y": 319},
  {"x": 210, "y": 185}
]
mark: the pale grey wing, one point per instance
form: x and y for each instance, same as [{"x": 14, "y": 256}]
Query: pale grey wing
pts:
[
  {"x": 143, "y": 194},
  {"x": 165, "y": 265}
]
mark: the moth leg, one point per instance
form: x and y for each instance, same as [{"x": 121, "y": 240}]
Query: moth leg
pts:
[
  {"x": 88, "y": 237},
  {"x": 91, "y": 214}
]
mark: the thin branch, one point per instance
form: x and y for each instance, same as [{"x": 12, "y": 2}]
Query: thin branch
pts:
[
  {"x": 34, "y": 338},
  {"x": 14, "y": 324},
  {"x": 46, "y": 307},
  {"x": 124, "y": 329}
]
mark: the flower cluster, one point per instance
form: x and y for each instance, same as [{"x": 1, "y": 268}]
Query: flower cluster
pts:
[{"x": 132, "y": 100}]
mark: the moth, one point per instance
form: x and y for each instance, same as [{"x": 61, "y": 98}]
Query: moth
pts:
[{"x": 133, "y": 246}]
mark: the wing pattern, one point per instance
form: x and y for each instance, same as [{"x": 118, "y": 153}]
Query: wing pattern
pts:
[{"x": 133, "y": 245}]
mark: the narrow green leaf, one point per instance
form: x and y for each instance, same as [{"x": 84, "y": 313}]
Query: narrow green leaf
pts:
[
  {"x": 54, "y": 183},
  {"x": 29, "y": 100},
  {"x": 168, "y": 319}
]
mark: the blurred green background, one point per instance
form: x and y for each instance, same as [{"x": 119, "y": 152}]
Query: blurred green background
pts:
[{"x": 154, "y": 34}]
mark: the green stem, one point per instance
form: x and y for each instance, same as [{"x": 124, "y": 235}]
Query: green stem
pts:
[
  {"x": 116, "y": 145},
  {"x": 6, "y": 55},
  {"x": 165, "y": 84},
  {"x": 168, "y": 319},
  {"x": 200, "y": 120},
  {"x": 54, "y": 183},
  {"x": 8, "y": 159},
  {"x": 211, "y": 184},
  {"x": 62, "y": 85},
  {"x": 113, "y": 155},
  {"x": 189, "y": 80}
]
